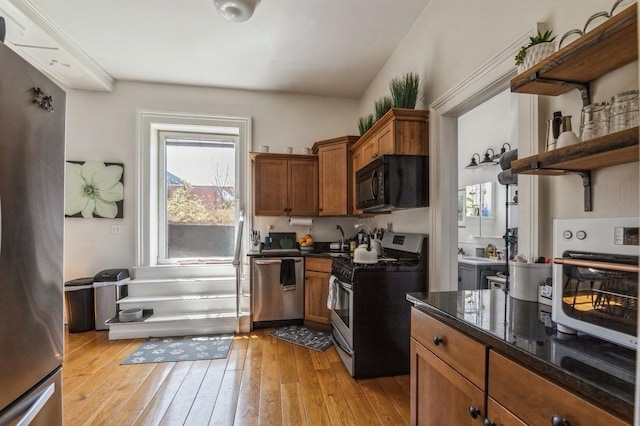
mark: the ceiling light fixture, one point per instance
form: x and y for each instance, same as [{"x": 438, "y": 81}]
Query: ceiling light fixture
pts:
[
  {"x": 473, "y": 164},
  {"x": 236, "y": 10},
  {"x": 488, "y": 159}
]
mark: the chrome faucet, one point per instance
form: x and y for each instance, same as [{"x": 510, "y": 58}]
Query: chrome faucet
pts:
[{"x": 339, "y": 228}]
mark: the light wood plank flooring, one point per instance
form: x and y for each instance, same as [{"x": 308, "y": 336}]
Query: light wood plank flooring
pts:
[{"x": 264, "y": 381}]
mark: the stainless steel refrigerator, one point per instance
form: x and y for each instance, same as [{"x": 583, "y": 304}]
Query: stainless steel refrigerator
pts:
[{"x": 32, "y": 150}]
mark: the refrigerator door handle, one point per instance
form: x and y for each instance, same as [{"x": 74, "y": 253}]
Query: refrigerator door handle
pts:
[{"x": 37, "y": 406}]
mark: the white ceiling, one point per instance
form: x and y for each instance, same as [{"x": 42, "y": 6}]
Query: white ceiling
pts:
[{"x": 322, "y": 47}]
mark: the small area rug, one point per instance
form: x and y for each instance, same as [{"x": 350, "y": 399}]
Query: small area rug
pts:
[
  {"x": 299, "y": 335},
  {"x": 186, "y": 348}
]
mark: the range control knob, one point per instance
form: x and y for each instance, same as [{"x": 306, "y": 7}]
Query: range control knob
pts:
[
  {"x": 581, "y": 235},
  {"x": 567, "y": 235}
]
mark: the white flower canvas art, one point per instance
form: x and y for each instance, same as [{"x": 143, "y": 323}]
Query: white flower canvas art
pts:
[{"x": 94, "y": 189}]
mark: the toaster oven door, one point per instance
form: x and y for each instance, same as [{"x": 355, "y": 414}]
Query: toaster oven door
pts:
[{"x": 597, "y": 294}]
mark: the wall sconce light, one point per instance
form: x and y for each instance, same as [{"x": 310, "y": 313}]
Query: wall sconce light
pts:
[
  {"x": 473, "y": 164},
  {"x": 488, "y": 159},
  {"x": 496, "y": 158}
]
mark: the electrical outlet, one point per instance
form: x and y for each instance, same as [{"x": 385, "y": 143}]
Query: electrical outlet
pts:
[{"x": 115, "y": 229}]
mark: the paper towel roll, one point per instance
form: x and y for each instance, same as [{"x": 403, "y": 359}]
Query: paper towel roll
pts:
[{"x": 300, "y": 221}]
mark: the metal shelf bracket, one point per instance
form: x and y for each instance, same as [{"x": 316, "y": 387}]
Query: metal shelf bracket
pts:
[
  {"x": 584, "y": 88},
  {"x": 586, "y": 184}
]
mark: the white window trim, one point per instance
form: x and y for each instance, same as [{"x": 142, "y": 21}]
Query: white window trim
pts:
[
  {"x": 487, "y": 81},
  {"x": 148, "y": 123}
]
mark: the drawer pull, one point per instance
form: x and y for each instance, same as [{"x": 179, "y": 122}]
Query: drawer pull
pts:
[
  {"x": 559, "y": 421},
  {"x": 437, "y": 340},
  {"x": 488, "y": 422},
  {"x": 474, "y": 412}
]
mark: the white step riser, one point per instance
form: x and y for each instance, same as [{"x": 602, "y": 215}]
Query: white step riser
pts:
[
  {"x": 184, "y": 271},
  {"x": 224, "y": 305},
  {"x": 173, "y": 328},
  {"x": 162, "y": 288}
]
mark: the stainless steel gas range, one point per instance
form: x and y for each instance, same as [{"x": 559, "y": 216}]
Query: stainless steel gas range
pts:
[{"x": 370, "y": 316}]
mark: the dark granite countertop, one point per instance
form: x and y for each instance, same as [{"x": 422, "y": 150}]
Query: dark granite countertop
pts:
[
  {"x": 599, "y": 371},
  {"x": 320, "y": 249}
]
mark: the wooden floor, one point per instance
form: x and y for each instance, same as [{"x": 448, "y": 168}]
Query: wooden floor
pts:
[{"x": 263, "y": 381}]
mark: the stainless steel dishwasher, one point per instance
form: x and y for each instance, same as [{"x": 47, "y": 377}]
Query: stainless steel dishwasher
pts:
[{"x": 271, "y": 303}]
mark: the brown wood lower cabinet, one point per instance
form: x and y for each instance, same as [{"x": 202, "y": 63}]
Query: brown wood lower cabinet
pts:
[
  {"x": 451, "y": 377},
  {"x": 497, "y": 415},
  {"x": 536, "y": 401},
  {"x": 439, "y": 394},
  {"x": 316, "y": 290},
  {"x": 447, "y": 374}
]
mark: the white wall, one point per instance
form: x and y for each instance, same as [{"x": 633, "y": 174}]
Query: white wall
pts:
[
  {"x": 453, "y": 38},
  {"x": 448, "y": 42},
  {"x": 101, "y": 126}
]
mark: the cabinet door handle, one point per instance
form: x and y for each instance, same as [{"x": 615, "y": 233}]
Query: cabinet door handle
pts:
[
  {"x": 437, "y": 340},
  {"x": 488, "y": 422},
  {"x": 474, "y": 412},
  {"x": 559, "y": 421}
]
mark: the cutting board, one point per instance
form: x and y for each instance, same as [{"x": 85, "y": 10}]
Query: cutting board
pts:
[{"x": 283, "y": 240}]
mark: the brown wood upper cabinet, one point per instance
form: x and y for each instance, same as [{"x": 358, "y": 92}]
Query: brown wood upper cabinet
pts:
[
  {"x": 399, "y": 131},
  {"x": 285, "y": 185},
  {"x": 335, "y": 188}
]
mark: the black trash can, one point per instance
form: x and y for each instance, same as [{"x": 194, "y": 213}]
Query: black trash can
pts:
[{"x": 78, "y": 295}]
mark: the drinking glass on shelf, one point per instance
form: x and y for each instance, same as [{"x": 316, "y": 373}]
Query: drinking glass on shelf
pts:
[
  {"x": 624, "y": 111},
  {"x": 594, "y": 121}
]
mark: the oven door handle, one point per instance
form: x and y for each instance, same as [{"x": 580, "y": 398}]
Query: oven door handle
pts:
[
  {"x": 340, "y": 342},
  {"x": 619, "y": 267},
  {"x": 346, "y": 286}
]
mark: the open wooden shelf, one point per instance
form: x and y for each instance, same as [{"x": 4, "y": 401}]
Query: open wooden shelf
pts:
[
  {"x": 610, "y": 150},
  {"x": 607, "y": 47}
]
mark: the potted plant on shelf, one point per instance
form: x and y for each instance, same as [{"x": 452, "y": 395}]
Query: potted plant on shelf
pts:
[
  {"x": 540, "y": 46},
  {"x": 404, "y": 90}
]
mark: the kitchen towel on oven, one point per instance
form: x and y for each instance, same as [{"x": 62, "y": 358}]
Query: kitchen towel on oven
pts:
[
  {"x": 288, "y": 274},
  {"x": 333, "y": 292}
]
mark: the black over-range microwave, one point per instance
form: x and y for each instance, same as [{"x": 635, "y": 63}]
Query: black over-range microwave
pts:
[{"x": 393, "y": 182}]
